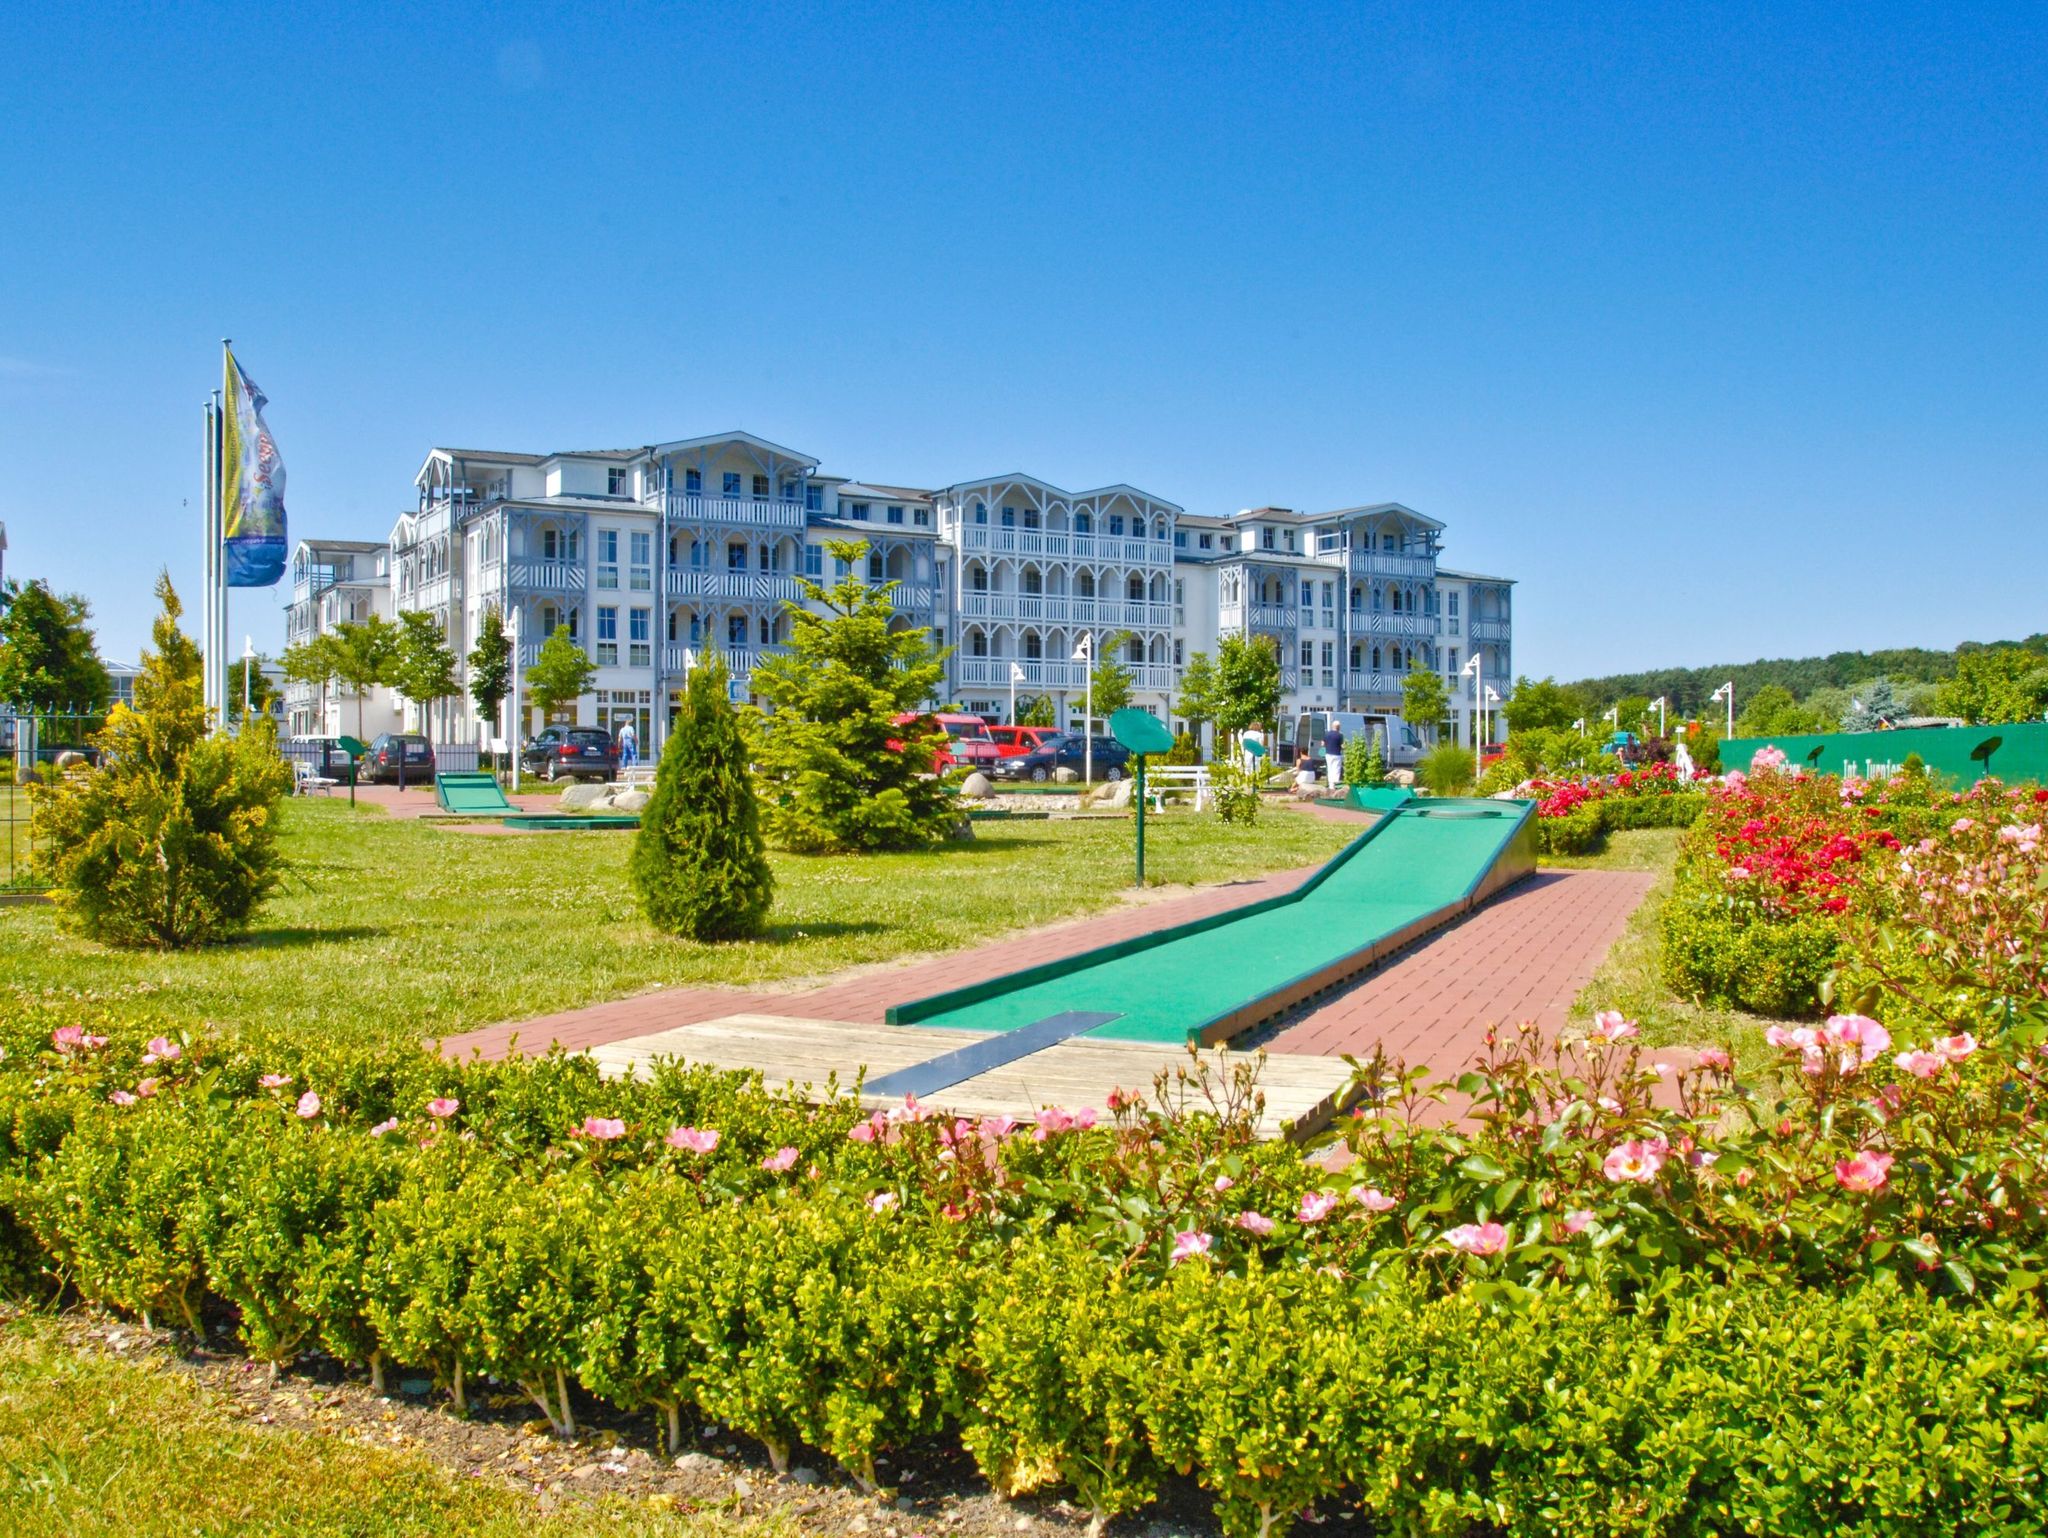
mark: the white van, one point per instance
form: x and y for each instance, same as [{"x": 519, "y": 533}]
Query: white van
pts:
[{"x": 1400, "y": 748}]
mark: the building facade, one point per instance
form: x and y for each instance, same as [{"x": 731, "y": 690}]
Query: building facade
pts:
[
  {"x": 654, "y": 557},
  {"x": 337, "y": 581}
]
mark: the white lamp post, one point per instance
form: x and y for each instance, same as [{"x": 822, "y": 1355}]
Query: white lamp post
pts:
[
  {"x": 1476, "y": 668},
  {"x": 1016, "y": 678},
  {"x": 248, "y": 661},
  {"x": 515, "y": 748},
  {"x": 1727, "y": 692},
  {"x": 1660, "y": 702},
  {"x": 1492, "y": 699},
  {"x": 1085, "y": 655}
]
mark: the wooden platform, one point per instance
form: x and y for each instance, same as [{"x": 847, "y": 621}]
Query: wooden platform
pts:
[{"x": 1302, "y": 1093}]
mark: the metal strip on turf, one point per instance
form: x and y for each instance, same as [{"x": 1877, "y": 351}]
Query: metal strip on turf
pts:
[{"x": 950, "y": 1068}]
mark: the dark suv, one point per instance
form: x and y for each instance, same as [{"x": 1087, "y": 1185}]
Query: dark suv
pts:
[
  {"x": 1068, "y": 751},
  {"x": 396, "y": 756},
  {"x": 570, "y": 752}
]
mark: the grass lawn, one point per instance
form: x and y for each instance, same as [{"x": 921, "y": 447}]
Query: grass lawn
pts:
[
  {"x": 91, "y": 1444},
  {"x": 401, "y": 928},
  {"x": 1632, "y": 978}
]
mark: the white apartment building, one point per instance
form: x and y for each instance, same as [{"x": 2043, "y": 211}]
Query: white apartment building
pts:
[
  {"x": 336, "y": 581},
  {"x": 655, "y": 555}
]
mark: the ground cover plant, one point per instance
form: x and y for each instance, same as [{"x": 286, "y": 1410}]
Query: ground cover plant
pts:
[
  {"x": 387, "y": 929},
  {"x": 1748, "y": 1302}
]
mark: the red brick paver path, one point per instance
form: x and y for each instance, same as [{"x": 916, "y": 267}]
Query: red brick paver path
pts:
[{"x": 1524, "y": 956}]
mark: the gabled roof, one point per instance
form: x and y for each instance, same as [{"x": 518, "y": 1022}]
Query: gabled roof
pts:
[
  {"x": 1342, "y": 514},
  {"x": 353, "y": 546},
  {"x": 1023, "y": 478},
  {"x": 713, "y": 440}
]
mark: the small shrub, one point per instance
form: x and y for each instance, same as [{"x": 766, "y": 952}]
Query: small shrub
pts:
[
  {"x": 171, "y": 841},
  {"x": 1185, "y": 753},
  {"x": 698, "y": 862},
  {"x": 1235, "y": 790},
  {"x": 1447, "y": 769}
]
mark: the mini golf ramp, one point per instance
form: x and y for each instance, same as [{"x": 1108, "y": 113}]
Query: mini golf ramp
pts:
[
  {"x": 475, "y": 795},
  {"x": 1423, "y": 864}
]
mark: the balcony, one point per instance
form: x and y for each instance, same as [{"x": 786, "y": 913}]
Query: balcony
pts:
[
  {"x": 737, "y": 512},
  {"x": 1363, "y": 681},
  {"x": 994, "y": 673},
  {"x": 1363, "y": 623},
  {"x": 1268, "y": 616},
  {"x": 739, "y": 660},
  {"x": 548, "y": 576},
  {"x": 1117, "y": 550},
  {"x": 1388, "y": 563},
  {"x": 737, "y": 586},
  {"x": 1490, "y": 629},
  {"x": 1066, "y": 610}
]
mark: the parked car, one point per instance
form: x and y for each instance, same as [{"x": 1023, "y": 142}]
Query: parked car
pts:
[
  {"x": 1066, "y": 750},
  {"x": 570, "y": 753},
  {"x": 396, "y": 755},
  {"x": 1013, "y": 740},
  {"x": 968, "y": 740}
]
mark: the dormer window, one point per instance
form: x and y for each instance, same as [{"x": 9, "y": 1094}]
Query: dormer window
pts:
[
  {"x": 615, "y": 482},
  {"x": 1266, "y": 538}
]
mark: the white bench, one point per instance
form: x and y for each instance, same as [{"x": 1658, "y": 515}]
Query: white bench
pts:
[
  {"x": 305, "y": 781},
  {"x": 639, "y": 777},
  {"x": 1164, "y": 778}
]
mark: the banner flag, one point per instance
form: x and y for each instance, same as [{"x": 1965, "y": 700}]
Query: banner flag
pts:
[{"x": 252, "y": 486}]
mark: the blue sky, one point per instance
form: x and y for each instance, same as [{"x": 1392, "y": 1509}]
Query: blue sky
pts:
[{"x": 1723, "y": 330}]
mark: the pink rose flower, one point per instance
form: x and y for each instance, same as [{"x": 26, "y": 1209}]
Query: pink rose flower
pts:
[
  {"x": 146, "y": 1088},
  {"x": 1858, "y": 1031},
  {"x": 1637, "y": 1160},
  {"x": 275, "y": 1080},
  {"x": 600, "y": 1129},
  {"x": 121, "y": 1097},
  {"x": 162, "y": 1050},
  {"x": 382, "y": 1127},
  {"x": 1254, "y": 1223},
  {"x": 1955, "y": 1048},
  {"x": 1865, "y": 1171},
  {"x": 1714, "y": 1057},
  {"x": 1189, "y": 1243},
  {"x": 700, "y": 1140},
  {"x": 1051, "y": 1122},
  {"x": 1222, "y": 1183},
  {"x": 67, "y": 1038},
  {"x": 1477, "y": 1238},
  {"x": 1576, "y": 1223},
  {"x": 1922, "y": 1065},
  {"x": 1315, "y": 1206},
  {"x": 308, "y": 1106},
  {"x": 1610, "y": 1026},
  {"x": 882, "y": 1201},
  {"x": 998, "y": 1127},
  {"x": 442, "y": 1107},
  {"x": 1373, "y": 1199},
  {"x": 782, "y": 1159},
  {"x": 862, "y": 1132}
]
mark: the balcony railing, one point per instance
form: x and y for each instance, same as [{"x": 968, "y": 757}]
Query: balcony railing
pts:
[
  {"x": 1363, "y": 623},
  {"x": 1365, "y": 681},
  {"x": 1066, "y": 609},
  {"x": 752, "y": 587},
  {"x": 1490, "y": 630},
  {"x": 549, "y": 576},
  {"x": 745, "y": 512},
  {"x": 1265, "y": 616},
  {"x": 994, "y": 673},
  {"x": 1387, "y": 563},
  {"x": 1060, "y": 544},
  {"x": 739, "y": 660}
]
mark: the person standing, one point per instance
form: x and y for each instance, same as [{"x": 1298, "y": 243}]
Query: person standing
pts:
[
  {"x": 1333, "y": 753},
  {"x": 629, "y": 746}
]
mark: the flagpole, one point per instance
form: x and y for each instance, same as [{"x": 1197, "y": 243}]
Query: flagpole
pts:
[
  {"x": 210, "y": 533},
  {"x": 220, "y": 641}
]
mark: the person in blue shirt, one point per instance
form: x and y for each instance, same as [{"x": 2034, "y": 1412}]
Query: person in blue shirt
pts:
[
  {"x": 629, "y": 746},
  {"x": 1333, "y": 754}
]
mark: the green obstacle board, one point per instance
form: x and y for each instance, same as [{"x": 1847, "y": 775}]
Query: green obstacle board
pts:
[{"x": 477, "y": 794}]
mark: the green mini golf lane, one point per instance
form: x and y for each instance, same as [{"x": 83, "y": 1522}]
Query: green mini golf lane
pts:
[{"x": 1421, "y": 861}]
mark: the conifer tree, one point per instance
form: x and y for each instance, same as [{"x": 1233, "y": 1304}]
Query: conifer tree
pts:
[
  {"x": 171, "y": 841},
  {"x": 698, "y": 861}
]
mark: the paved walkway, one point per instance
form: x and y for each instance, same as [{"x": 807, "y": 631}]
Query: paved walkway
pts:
[{"x": 1525, "y": 956}]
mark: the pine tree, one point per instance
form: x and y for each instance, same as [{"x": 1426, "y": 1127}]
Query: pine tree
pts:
[
  {"x": 837, "y": 772},
  {"x": 171, "y": 842},
  {"x": 698, "y": 861}
]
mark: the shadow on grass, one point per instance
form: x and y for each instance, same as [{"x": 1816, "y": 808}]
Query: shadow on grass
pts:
[
  {"x": 822, "y": 929},
  {"x": 282, "y": 939}
]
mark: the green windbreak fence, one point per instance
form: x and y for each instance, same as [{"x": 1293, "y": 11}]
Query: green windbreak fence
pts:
[{"x": 2015, "y": 752}]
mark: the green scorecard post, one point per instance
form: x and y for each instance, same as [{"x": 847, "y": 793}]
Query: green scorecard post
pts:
[{"x": 1143, "y": 733}]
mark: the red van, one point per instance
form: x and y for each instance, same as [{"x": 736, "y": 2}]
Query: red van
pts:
[
  {"x": 1016, "y": 741},
  {"x": 968, "y": 740}
]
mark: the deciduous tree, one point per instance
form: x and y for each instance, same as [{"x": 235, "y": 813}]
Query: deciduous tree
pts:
[{"x": 562, "y": 674}]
